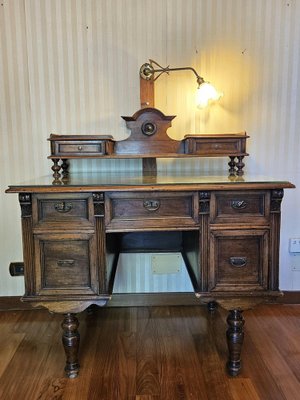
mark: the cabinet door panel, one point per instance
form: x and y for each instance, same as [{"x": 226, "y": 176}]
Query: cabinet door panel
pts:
[
  {"x": 65, "y": 264},
  {"x": 239, "y": 260}
]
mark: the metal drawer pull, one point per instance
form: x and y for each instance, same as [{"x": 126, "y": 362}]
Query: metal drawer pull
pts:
[
  {"x": 238, "y": 262},
  {"x": 65, "y": 263},
  {"x": 80, "y": 148},
  {"x": 151, "y": 205},
  {"x": 63, "y": 207},
  {"x": 239, "y": 204}
]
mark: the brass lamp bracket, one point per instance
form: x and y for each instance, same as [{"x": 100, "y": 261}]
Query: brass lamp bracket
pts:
[{"x": 147, "y": 71}]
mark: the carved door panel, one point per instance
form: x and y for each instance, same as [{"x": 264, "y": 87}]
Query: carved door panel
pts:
[
  {"x": 65, "y": 264},
  {"x": 239, "y": 260}
]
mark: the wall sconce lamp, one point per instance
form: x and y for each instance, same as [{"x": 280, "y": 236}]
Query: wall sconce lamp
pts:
[{"x": 206, "y": 93}]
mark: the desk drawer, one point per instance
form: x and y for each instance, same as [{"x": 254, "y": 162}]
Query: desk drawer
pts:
[
  {"x": 144, "y": 210},
  {"x": 73, "y": 146},
  {"x": 65, "y": 263},
  {"x": 63, "y": 208},
  {"x": 81, "y": 148},
  {"x": 240, "y": 207},
  {"x": 239, "y": 260},
  {"x": 216, "y": 145},
  {"x": 210, "y": 147}
]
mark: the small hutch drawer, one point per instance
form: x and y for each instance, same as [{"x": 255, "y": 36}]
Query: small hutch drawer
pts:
[
  {"x": 144, "y": 210},
  {"x": 83, "y": 148},
  {"x": 239, "y": 260},
  {"x": 216, "y": 145},
  {"x": 240, "y": 207},
  {"x": 74, "y": 146}
]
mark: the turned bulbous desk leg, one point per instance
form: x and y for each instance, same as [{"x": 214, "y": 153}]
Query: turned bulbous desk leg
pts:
[
  {"x": 235, "y": 338},
  {"x": 71, "y": 339}
]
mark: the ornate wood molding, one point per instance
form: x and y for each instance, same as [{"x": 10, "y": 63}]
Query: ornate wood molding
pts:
[
  {"x": 98, "y": 199},
  {"x": 26, "y": 205},
  {"x": 276, "y": 198},
  {"x": 13, "y": 303},
  {"x": 204, "y": 199}
]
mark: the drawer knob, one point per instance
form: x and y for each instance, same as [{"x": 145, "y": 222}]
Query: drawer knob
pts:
[
  {"x": 80, "y": 148},
  {"x": 65, "y": 263},
  {"x": 238, "y": 262},
  {"x": 239, "y": 204},
  {"x": 63, "y": 207},
  {"x": 151, "y": 205}
]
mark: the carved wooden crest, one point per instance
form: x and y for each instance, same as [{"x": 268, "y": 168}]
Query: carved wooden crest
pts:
[{"x": 148, "y": 128}]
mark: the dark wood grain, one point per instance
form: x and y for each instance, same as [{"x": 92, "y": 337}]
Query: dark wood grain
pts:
[
  {"x": 13, "y": 303},
  {"x": 161, "y": 353},
  {"x": 146, "y": 93},
  {"x": 229, "y": 240}
]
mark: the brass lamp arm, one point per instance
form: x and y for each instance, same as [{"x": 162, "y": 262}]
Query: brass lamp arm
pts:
[{"x": 147, "y": 71}]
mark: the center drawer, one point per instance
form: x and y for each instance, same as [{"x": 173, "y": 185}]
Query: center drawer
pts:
[{"x": 128, "y": 211}]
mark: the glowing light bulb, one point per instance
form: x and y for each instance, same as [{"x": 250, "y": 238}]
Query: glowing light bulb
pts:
[{"x": 206, "y": 94}]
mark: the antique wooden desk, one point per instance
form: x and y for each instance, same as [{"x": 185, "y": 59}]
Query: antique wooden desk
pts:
[{"x": 75, "y": 226}]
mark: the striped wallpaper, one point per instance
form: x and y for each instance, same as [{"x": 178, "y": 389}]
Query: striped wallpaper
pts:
[{"x": 71, "y": 66}]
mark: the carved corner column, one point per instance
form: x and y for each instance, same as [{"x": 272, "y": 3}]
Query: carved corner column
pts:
[
  {"x": 204, "y": 209},
  {"x": 98, "y": 201},
  {"x": 235, "y": 338},
  {"x": 275, "y": 214},
  {"x": 71, "y": 339},
  {"x": 28, "y": 243}
]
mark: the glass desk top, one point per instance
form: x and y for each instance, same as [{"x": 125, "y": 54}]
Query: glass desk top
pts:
[{"x": 136, "y": 179}]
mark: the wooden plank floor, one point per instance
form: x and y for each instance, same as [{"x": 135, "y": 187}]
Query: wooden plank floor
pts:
[{"x": 151, "y": 353}]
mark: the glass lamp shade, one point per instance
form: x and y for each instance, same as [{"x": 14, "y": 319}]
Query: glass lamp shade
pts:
[{"x": 206, "y": 94}]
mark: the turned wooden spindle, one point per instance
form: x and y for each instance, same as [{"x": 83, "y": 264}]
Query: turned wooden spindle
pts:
[
  {"x": 56, "y": 168},
  {"x": 65, "y": 167},
  {"x": 232, "y": 165},
  {"x": 71, "y": 339},
  {"x": 235, "y": 338},
  {"x": 240, "y": 165}
]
